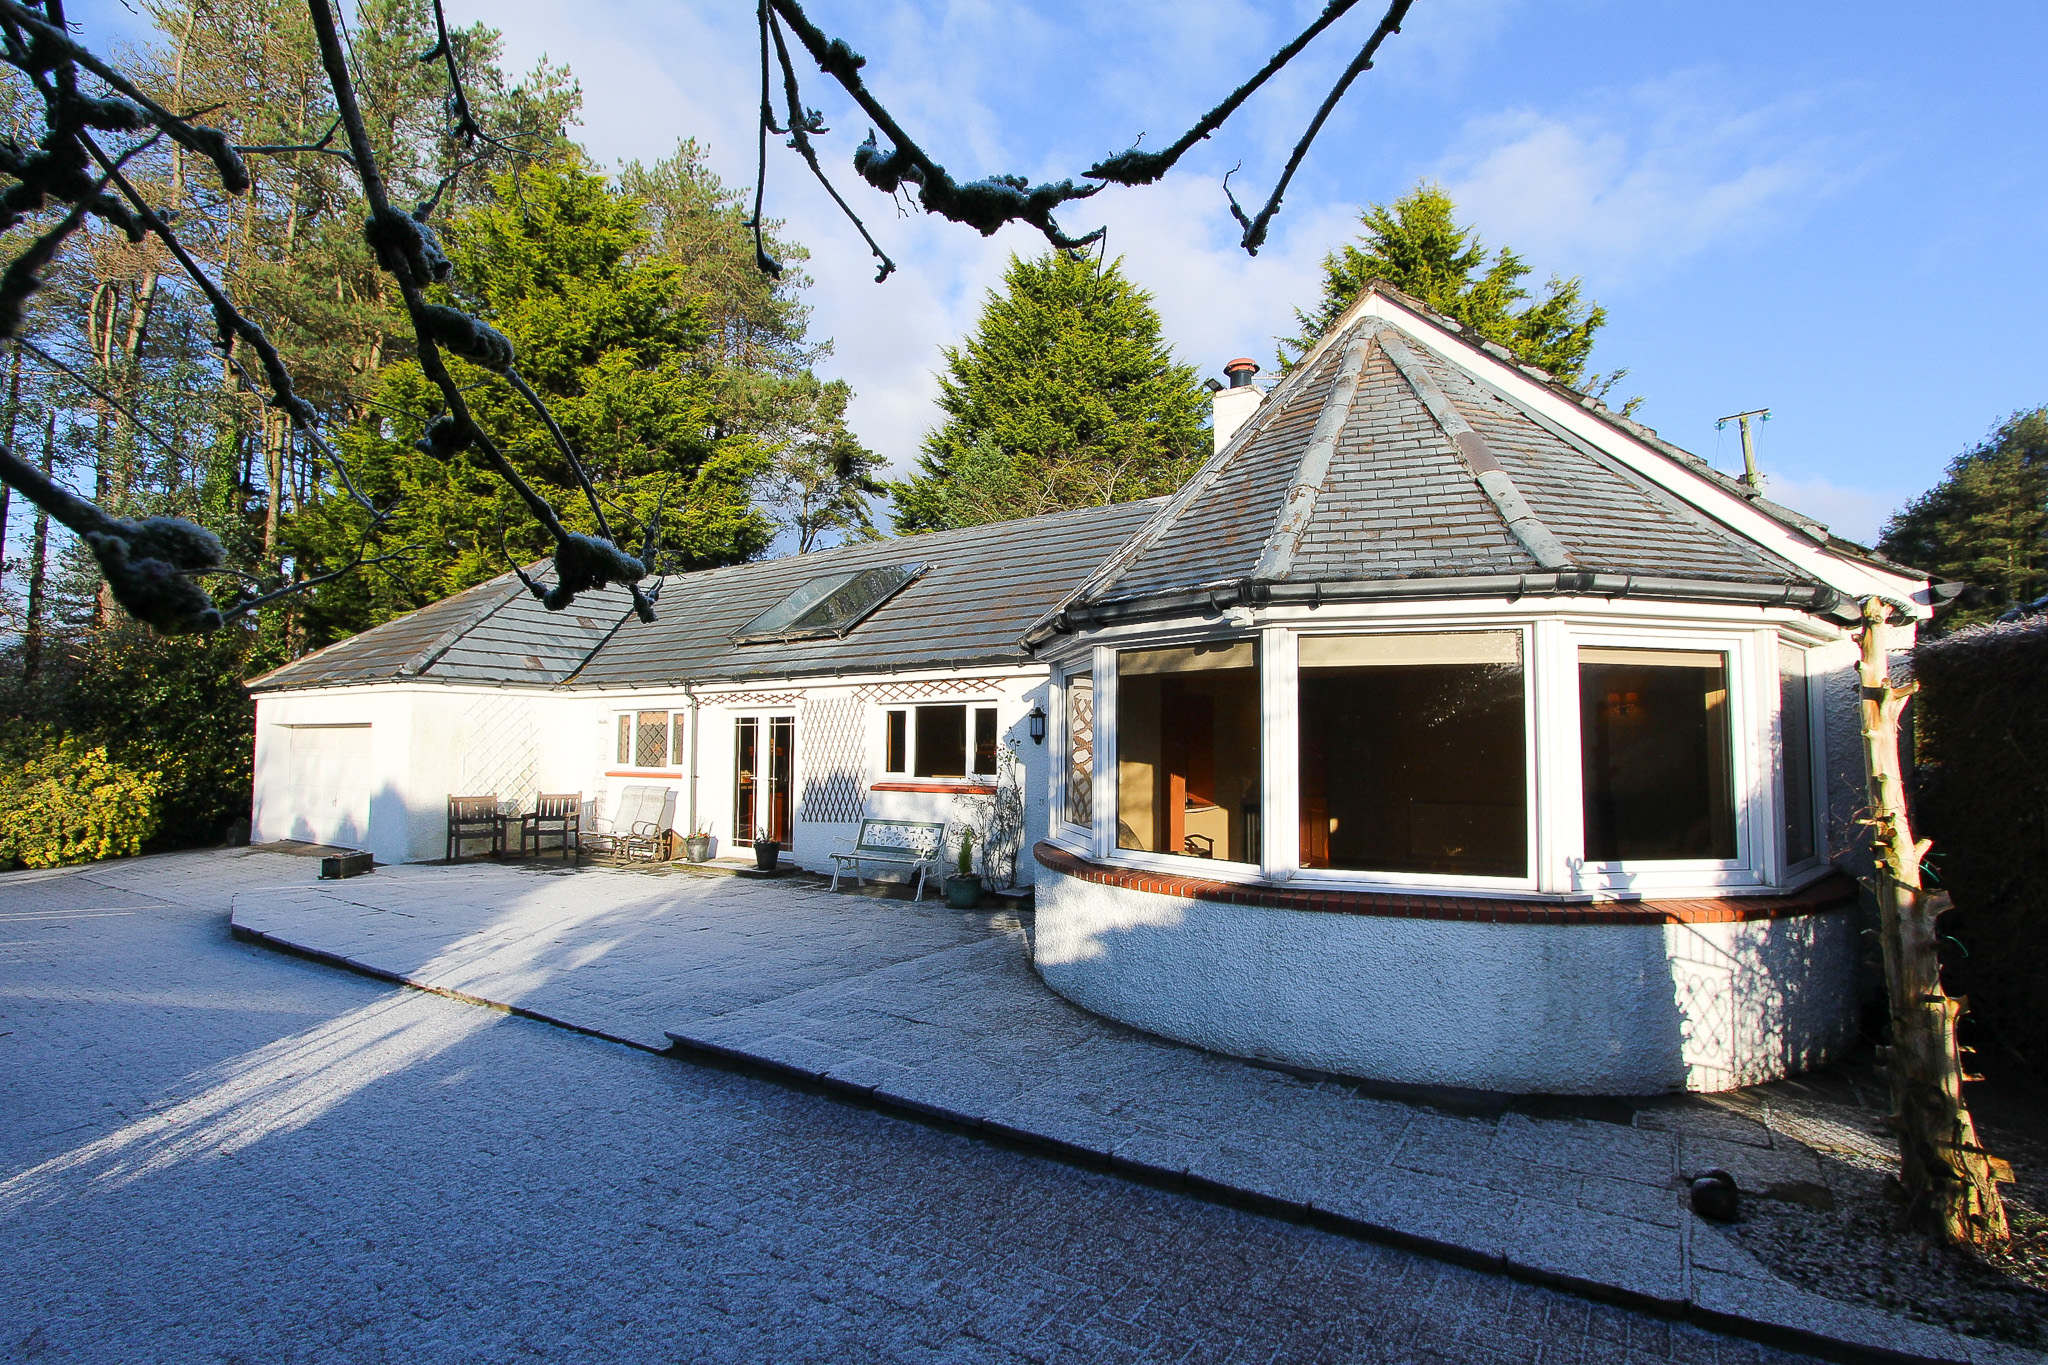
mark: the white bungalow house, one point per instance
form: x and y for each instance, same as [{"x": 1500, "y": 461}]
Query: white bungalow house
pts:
[{"x": 1446, "y": 728}]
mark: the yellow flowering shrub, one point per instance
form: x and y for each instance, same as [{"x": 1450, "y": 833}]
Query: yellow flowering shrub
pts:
[{"x": 70, "y": 803}]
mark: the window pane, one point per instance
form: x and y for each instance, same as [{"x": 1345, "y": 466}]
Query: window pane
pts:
[
  {"x": 1653, "y": 731},
  {"x": 897, "y": 761},
  {"x": 1081, "y": 750},
  {"x": 1796, "y": 726},
  {"x": 942, "y": 741},
  {"x": 650, "y": 741},
  {"x": 625, "y": 739},
  {"x": 1414, "y": 754},
  {"x": 1187, "y": 751},
  {"x": 984, "y": 739},
  {"x": 676, "y": 749},
  {"x": 746, "y": 751}
]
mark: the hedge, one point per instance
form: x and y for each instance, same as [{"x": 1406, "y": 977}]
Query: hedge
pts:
[{"x": 1983, "y": 744}]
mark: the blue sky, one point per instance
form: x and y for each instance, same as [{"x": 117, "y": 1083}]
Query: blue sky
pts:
[{"x": 1837, "y": 211}]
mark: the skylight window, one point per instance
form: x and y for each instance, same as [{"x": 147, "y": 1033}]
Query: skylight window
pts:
[{"x": 830, "y": 605}]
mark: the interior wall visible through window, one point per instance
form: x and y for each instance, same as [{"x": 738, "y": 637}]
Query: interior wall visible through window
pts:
[
  {"x": 1414, "y": 753},
  {"x": 1187, "y": 751},
  {"x": 1654, "y": 753}
]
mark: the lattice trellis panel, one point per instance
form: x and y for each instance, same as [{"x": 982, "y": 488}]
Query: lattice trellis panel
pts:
[
  {"x": 834, "y": 744},
  {"x": 754, "y": 699},
  {"x": 934, "y": 687},
  {"x": 502, "y": 749}
]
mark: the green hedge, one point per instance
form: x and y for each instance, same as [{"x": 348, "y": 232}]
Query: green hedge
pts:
[
  {"x": 1983, "y": 738},
  {"x": 70, "y": 803}
]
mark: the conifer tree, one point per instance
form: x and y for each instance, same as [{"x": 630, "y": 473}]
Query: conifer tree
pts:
[
  {"x": 1066, "y": 395},
  {"x": 1417, "y": 245},
  {"x": 1985, "y": 523}
]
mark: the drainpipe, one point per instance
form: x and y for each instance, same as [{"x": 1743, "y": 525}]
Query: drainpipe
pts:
[{"x": 692, "y": 699}]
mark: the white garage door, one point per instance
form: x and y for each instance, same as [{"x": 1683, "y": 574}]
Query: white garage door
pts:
[{"x": 330, "y": 784}]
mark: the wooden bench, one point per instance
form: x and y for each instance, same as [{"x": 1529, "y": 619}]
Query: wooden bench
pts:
[{"x": 912, "y": 845}]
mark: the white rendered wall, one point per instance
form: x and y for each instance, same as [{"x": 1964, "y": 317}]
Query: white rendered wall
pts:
[{"x": 1521, "y": 1008}]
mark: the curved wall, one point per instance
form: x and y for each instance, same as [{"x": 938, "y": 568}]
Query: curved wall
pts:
[{"x": 1532, "y": 1007}]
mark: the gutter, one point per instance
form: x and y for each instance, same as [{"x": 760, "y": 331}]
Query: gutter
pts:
[{"x": 1817, "y": 598}]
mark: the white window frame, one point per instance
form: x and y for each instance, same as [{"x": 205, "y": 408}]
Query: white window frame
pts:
[
  {"x": 631, "y": 716},
  {"x": 909, "y": 772},
  {"x": 1816, "y": 760},
  {"x": 1286, "y": 860},
  {"x": 1079, "y": 838},
  {"x": 1752, "y": 780}
]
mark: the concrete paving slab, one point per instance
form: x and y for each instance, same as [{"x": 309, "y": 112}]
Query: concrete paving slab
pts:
[{"x": 938, "y": 1014}]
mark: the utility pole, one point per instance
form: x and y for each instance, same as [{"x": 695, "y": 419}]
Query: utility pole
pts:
[{"x": 1752, "y": 477}]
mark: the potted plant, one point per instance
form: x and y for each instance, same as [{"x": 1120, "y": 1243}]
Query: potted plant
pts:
[
  {"x": 697, "y": 846},
  {"x": 963, "y": 888},
  {"x": 766, "y": 850}
]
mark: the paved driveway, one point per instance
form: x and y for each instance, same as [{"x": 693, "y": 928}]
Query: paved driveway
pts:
[{"x": 212, "y": 1152}]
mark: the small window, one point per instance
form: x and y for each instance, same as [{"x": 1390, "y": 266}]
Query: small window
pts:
[
  {"x": 1080, "y": 701},
  {"x": 650, "y": 739},
  {"x": 1653, "y": 727},
  {"x": 897, "y": 759},
  {"x": 1795, "y": 724},
  {"x": 830, "y": 605},
  {"x": 985, "y": 740},
  {"x": 941, "y": 741}
]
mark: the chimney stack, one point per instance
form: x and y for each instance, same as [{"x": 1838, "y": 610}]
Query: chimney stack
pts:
[{"x": 1231, "y": 407}]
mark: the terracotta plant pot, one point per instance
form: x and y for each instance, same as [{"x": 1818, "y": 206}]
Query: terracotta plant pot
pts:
[{"x": 765, "y": 853}]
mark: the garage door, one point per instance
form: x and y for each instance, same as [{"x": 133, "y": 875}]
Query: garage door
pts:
[{"x": 330, "y": 784}]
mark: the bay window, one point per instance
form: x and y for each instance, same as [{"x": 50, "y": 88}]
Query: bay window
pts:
[
  {"x": 1187, "y": 751},
  {"x": 1654, "y": 751}
]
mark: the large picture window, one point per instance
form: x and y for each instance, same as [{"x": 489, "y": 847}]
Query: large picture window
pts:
[
  {"x": 1654, "y": 736},
  {"x": 1414, "y": 753},
  {"x": 1187, "y": 751}
]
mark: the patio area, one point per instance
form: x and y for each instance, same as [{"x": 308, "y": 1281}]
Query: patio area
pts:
[{"x": 920, "y": 1010}]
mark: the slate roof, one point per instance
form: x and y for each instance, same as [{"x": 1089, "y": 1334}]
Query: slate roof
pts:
[
  {"x": 1392, "y": 455},
  {"x": 1427, "y": 471},
  {"x": 984, "y": 587}
]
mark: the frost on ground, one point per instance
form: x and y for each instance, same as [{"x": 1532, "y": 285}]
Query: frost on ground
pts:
[{"x": 213, "y": 1152}]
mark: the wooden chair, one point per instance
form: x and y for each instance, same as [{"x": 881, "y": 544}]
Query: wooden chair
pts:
[
  {"x": 557, "y": 815},
  {"x": 471, "y": 818}
]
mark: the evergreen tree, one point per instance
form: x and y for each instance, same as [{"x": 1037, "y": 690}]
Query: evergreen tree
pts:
[
  {"x": 1417, "y": 245},
  {"x": 1064, "y": 396},
  {"x": 605, "y": 331},
  {"x": 1985, "y": 523}
]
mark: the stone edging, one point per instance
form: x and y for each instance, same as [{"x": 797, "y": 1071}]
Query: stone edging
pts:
[{"x": 1829, "y": 893}]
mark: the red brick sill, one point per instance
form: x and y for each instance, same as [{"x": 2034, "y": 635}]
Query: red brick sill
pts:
[
  {"x": 956, "y": 788},
  {"x": 1830, "y": 893}
]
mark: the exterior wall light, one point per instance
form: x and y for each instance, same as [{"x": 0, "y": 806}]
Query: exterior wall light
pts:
[{"x": 1037, "y": 723}]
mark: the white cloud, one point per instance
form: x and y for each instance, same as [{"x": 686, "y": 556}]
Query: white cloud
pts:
[
  {"x": 1856, "y": 514},
  {"x": 1639, "y": 180}
]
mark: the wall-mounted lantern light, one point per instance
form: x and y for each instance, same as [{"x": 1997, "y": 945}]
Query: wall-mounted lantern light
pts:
[{"x": 1037, "y": 721}]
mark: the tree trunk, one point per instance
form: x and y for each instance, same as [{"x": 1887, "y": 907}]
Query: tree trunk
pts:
[
  {"x": 13, "y": 412},
  {"x": 38, "y": 562},
  {"x": 1949, "y": 1180}
]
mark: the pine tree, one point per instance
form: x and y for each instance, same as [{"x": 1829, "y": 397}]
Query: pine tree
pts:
[
  {"x": 1065, "y": 396},
  {"x": 1985, "y": 523},
  {"x": 1417, "y": 245}
]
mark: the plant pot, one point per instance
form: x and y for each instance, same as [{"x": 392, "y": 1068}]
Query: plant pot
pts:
[
  {"x": 697, "y": 847},
  {"x": 765, "y": 853},
  {"x": 963, "y": 893}
]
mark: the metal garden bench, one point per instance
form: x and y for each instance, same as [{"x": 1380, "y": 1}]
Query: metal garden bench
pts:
[{"x": 912, "y": 845}]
